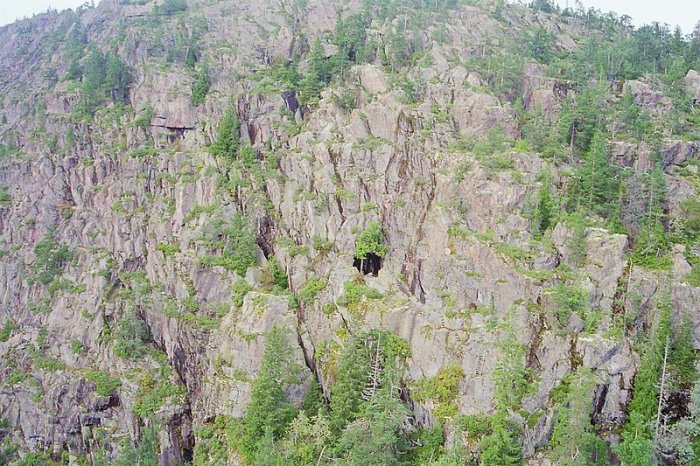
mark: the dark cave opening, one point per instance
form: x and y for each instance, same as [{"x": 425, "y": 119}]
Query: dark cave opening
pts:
[{"x": 372, "y": 264}]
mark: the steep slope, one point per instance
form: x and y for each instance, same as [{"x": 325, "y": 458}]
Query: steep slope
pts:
[{"x": 179, "y": 180}]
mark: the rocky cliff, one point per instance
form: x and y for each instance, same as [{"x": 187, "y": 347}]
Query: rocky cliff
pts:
[{"x": 127, "y": 316}]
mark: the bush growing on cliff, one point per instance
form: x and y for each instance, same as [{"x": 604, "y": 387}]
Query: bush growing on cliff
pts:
[
  {"x": 51, "y": 257},
  {"x": 130, "y": 337},
  {"x": 370, "y": 241}
]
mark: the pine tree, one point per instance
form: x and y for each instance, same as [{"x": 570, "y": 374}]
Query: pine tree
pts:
[
  {"x": 377, "y": 438},
  {"x": 269, "y": 410},
  {"x": 546, "y": 207},
  {"x": 598, "y": 185},
  {"x": 651, "y": 246},
  {"x": 636, "y": 448},
  {"x": 500, "y": 447},
  {"x": 346, "y": 392},
  {"x": 116, "y": 80},
  {"x": 241, "y": 248},
  {"x": 226, "y": 144},
  {"x": 574, "y": 441},
  {"x": 200, "y": 88},
  {"x": 267, "y": 453},
  {"x": 316, "y": 75}
]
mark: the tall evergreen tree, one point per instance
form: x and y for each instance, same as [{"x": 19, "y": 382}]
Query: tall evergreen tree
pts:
[
  {"x": 227, "y": 141},
  {"x": 269, "y": 410}
]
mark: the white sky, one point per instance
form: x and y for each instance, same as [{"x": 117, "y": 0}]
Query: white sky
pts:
[
  {"x": 684, "y": 13},
  {"x": 11, "y": 10}
]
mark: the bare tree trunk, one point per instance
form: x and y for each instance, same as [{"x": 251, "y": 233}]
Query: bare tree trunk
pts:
[{"x": 661, "y": 388}]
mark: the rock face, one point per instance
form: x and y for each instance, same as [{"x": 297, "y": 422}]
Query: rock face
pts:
[{"x": 143, "y": 208}]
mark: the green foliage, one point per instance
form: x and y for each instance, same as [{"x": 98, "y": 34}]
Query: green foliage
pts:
[
  {"x": 574, "y": 440},
  {"x": 168, "y": 250},
  {"x": 241, "y": 249},
  {"x": 541, "y": 42},
  {"x": 308, "y": 293},
  {"x": 581, "y": 118},
  {"x": 149, "y": 403},
  {"x": 5, "y": 198},
  {"x": 546, "y": 207},
  {"x": 376, "y": 438},
  {"x": 597, "y": 183},
  {"x": 104, "y": 383},
  {"x": 269, "y": 410},
  {"x": 144, "y": 454},
  {"x": 239, "y": 289},
  {"x": 510, "y": 374},
  {"x": 683, "y": 357},
  {"x": 307, "y": 439},
  {"x": 636, "y": 446},
  {"x": 274, "y": 277},
  {"x": 429, "y": 443},
  {"x": 569, "y": 300},
  {"x": 6, "y": 331},
  {"x": 130, "y": 337},
  {"x": 316, "y": 77},
  {"x": 200, "y": 88},
  {"x": 143, "y": 120},
  {"x": 443, "y": 389},
  {"x": 500, "y": 446},
  {"x": 267, "y": 453},
  {"x": 370, "y": 241},
  {"x": 104, "y": 76},
  {"x": 51, "y": 258},
  {"x": 358, "y": 374},
  {"x": 355, "y": 291},
  {"x": 227, "y": 141},
  {"x": 170, "y": 7},
  {"x": 652, "y": 245}
]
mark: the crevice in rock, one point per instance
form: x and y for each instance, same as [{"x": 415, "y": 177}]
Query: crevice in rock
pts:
[
  {"x": 533, "y": 360},
  {"x": 575, "y": 359},
  {"x": 372, "y": 264},
  {"x": 290, "y": 100},
  {"x": 264, "y": 237}
]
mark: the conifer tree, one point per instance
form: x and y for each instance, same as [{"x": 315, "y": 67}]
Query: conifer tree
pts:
[
  {"x": 200, "y": 88},
  {"x": 316, "y": 75},
  {"x": 575, "y": 443},
  {"x": 226, "y": 144},
  {"x": 269, "y": 411}
]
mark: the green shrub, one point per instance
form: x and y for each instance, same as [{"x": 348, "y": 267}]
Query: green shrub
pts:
[
  {"x": 239, "y": 289},
  {"x": 130, "y": 337},
  {"x": 76, "y": 346},
  {"x": 7, "y": 329},
  {"x": 370, "y": 241},
  {"x": 51, "y": 258},
  {"x": 151, "y": 398},
  {"x": 354, "y": 292},
  {"x": 143, "y": 120},
  {"x": 5, "y": 198},
  {"x": 168, "y": 250},
  {"x": 170, "y": 7},
  {"x": 308, "y": 293}
]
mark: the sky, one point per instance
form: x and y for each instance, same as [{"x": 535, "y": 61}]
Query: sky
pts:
[
  {"x": 11, "y": 10},
  {"x": 684, "y": 13}
]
